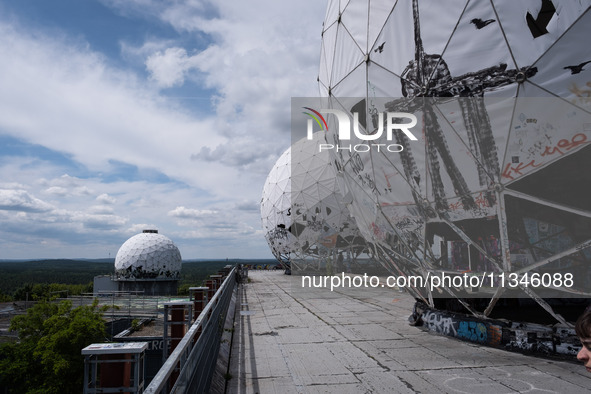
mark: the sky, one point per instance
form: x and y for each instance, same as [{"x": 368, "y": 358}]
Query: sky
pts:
[{"x": 119, "y": 116}]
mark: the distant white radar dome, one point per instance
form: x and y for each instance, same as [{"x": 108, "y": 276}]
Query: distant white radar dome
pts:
[{"x": 148, "y": 255}]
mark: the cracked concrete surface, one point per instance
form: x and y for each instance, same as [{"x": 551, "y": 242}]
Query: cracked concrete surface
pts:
[{"x": 294, "y": 340}]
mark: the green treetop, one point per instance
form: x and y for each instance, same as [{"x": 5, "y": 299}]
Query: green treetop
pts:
[{"x": 47, "y": 358}]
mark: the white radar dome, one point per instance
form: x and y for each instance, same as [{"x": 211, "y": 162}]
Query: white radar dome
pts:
[
  {"x": 148, "y": 255},
  {"x": 303, "y": 214}
]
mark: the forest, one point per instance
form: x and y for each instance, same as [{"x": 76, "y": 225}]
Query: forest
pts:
[{"x": 47, "y": 278}]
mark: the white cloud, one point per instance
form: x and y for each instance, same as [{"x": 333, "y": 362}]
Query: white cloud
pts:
[
  {"x": 138, "y": 228},
  {"x": 138, "y": 54},
  {"x": 21, "y": 200},
  {"x": 101, "y": 222},
  {"x": 248, "y": 206},
  {"x": 101, "y": 210},
  {"x": 226, "y": 231},
  {"x": 12, "y": 185},
  {"x": 57, "y": 190},
  {"x": 66, "y": 180},
  {"x": 187, "y": 213},
  {"x": 106, "y": 199},
  {"x": 66, "y": 185},
  {"x": 168, "y": 68}
]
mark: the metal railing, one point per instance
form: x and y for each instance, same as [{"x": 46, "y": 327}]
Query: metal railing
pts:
[{"x": 195, "y": 361}]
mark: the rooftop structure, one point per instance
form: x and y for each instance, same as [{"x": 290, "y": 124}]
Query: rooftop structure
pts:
[
  {"x": 148, "y": 263},
  {"x": 148, "y": 255}
]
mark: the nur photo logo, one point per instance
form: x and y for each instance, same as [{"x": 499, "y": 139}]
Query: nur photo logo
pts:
[{"x": 345, "y": 130}]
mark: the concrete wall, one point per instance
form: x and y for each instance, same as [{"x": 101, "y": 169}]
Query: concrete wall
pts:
[
  {"x": 105, "y": 284},
  {"x": 154, "y": 287}
]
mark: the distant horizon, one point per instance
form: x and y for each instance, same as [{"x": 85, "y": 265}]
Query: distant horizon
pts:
[{"x": 113, "y": 259}]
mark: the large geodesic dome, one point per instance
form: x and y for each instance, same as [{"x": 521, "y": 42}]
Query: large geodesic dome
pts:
[
  {"x": 275, "y": 209},
  {"x": 148, "y": 255},
  {"x": 495, "y": 181},
  {"x": 306, "y": 222}
]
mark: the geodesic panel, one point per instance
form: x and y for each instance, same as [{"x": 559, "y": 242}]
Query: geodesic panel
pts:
[
  {"x": 305, "y": 218},
  {"x": 148, "y": 256},
  {"x": 493, "y": 182}
]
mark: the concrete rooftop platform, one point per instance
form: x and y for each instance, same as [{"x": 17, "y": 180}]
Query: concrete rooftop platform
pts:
[{"x": 288, "y": 340}]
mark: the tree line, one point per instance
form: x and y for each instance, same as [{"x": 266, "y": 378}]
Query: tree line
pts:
[{"x": 42, "y": 279}]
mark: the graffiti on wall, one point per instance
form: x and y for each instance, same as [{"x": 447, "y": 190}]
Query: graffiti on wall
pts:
[{"x": 524, "y": 337}]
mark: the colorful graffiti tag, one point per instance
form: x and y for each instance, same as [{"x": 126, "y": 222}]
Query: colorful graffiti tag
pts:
[{"x": 521, "y": 337}]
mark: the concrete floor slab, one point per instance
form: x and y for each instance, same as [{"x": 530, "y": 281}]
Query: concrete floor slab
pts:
[
  {"x": 308, "y": 335},
  {"x": 358, "y": 332},
  {"x": 317, "y": 341}
]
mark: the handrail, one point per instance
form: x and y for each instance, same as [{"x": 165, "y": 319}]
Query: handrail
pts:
[{"x": 183, "y": 349}]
